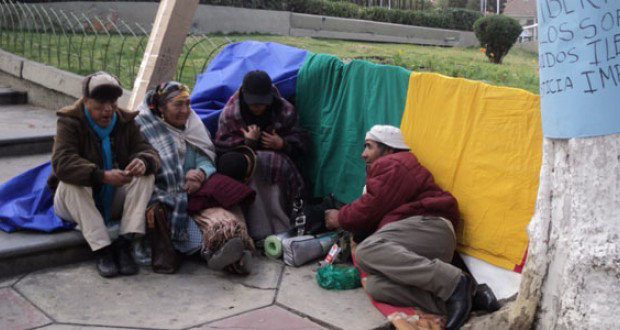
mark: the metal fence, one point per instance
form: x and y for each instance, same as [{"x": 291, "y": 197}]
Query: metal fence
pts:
[{"x": 78, "y": 43}]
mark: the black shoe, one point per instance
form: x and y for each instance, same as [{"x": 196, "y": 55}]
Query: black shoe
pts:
[
  {"x": 106, "y": 266},
  {"x": 459, "y": 304},
  {"x": 484, "y": 299},
  {"x": 126, "y": 264}
]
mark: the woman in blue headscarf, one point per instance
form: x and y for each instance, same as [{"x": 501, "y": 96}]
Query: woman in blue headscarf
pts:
[{"x": 187, "y": 163}]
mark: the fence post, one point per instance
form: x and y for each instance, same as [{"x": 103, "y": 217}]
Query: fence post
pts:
[{"x": 172, "y": 24}]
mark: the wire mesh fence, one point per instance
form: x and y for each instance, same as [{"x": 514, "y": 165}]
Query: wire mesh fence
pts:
[{"x": 83, "y": 44}]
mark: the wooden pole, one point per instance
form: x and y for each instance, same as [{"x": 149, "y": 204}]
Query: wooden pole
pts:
[{"x": 172, "y": 24}]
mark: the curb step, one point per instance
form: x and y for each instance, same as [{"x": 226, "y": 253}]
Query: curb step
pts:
[
  {"x": 26, "y": 146},
  {"x": 27, "y": 251},
  {"x": 26, "y": 140},
  {"x": 26, "y": 130},
  {"x": 11, "y": 96}
]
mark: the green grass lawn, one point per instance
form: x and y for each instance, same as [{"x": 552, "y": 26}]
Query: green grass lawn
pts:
[{"x": 122, "y": 55}]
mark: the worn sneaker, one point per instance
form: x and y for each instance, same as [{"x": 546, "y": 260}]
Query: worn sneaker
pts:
[
  {"x": 106, "y": 265},
  {"x": 230, "y": 252},
  {"x": 243, "y": 266}
]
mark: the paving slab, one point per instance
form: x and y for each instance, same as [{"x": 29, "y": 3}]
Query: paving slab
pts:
[
  {"x": 11, "y": 167},
  {"x": 268, "y": 318},
  {"x": 195, "y": 295},
  {"x": 348, "y": 309},
  {"x": 265, "y": 274},
  {"x": 16, "y": 313},
  {"x": 78, "y": 327},
  {"x": 8, "y": 281}
]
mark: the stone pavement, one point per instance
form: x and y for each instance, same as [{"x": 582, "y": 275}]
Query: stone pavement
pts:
[
  {"x": 274, "y": 296},
  {"x": 58, "y": 290}
]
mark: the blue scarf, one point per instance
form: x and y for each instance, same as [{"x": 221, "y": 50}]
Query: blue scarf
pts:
[{"x": 104, "y": 195}]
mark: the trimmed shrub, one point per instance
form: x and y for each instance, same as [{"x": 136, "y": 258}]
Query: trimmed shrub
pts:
[
  {"x": 451, "y": 18},
  {"x": 344, "y": 9},
  {"x": 497, "y": 34}
]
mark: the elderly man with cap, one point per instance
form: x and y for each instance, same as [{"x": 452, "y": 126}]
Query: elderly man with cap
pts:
[
  {"x": 103, "y": 170},
  {"x": 407, "y": 225}
]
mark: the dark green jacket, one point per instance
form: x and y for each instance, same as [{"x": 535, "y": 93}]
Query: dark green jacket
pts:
[{"x": 77, "y": 157}]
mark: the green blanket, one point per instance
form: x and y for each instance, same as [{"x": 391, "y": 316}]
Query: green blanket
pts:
[{"x": 338, "y": 103}]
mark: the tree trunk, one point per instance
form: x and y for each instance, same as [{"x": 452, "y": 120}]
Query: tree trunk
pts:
[{"x": 572, "y": 275}]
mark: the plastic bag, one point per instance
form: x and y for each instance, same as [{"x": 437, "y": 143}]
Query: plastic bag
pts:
[{"x": 338, "y": 277}]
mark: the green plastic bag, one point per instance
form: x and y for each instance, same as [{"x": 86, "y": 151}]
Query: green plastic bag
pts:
[{"x": 338, "y": 277}]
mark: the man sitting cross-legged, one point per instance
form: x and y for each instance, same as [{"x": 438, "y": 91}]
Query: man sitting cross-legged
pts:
[
  {"x": 102, "y": 170},
  {"x": 408, "y": 225}
]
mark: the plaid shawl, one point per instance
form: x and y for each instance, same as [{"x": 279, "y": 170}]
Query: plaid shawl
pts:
[
  {"x": 170, "y": 178},
  {"x": 277, "y": 167}
]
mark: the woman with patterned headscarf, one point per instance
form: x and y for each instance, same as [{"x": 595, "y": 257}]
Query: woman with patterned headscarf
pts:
[{"x": 187, "y": 168}]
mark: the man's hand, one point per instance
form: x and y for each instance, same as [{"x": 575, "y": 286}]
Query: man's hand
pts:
[
  {"x": 331, "y": 219},
  {"x": 271, "y": 141},
  {"x": 136, "y": 167},
  {"x": 116, "y": 177},
  {"x": 252, "y": 132},
  {"x": 195, "y": 175}
]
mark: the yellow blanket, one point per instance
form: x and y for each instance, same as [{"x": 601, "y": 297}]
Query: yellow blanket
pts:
[{"x": 483, "y": 144}]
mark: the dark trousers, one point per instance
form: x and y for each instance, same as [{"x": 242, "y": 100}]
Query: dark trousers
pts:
[{"x": 408, "y": 263}]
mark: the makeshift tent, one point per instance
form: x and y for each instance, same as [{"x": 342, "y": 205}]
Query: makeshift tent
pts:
[{"x": 482, "y": 143}]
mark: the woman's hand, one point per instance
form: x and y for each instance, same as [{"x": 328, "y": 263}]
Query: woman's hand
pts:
[
  {"x": 195, "y": 175},
  {"x": 191, "y": 186},
  {"x": 252, "y": 132},
  {"x": 272, "y": 141},
  {"x": 193, "y": 180}
]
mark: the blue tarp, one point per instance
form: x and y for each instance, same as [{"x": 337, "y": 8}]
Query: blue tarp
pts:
[
  {"x": 26, "y": 202},
  {"x": 225, "y": 73}
]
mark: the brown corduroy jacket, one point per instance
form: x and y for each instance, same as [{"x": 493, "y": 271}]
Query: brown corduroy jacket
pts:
[{"x": 77, "y": 156}]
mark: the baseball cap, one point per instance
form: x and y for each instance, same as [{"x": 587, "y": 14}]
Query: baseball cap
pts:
[{"x": 256, "y": 88}]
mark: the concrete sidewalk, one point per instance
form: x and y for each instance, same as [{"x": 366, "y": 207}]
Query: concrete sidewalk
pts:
[{"x": 274, "y": 296}]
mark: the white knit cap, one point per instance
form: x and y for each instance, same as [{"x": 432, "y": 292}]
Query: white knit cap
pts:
[{"x": 389, "y": 135}]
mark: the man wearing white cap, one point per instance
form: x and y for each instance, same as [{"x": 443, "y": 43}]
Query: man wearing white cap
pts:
[
  {"x": 102, "y": 170},
  {"x": 407, "y": 225}
]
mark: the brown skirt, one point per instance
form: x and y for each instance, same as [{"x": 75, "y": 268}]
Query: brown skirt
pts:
[{"x": 218, "y": 225}]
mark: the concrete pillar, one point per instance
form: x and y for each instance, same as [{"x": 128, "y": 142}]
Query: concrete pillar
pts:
[
  {"x": 172, "y": 24},
  {"x": 572, "y": 275}
]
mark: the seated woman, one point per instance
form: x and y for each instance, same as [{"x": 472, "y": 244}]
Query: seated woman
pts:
[
  {"x": 187, "y": 161},
  {"x": 257, "y": 116}
]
